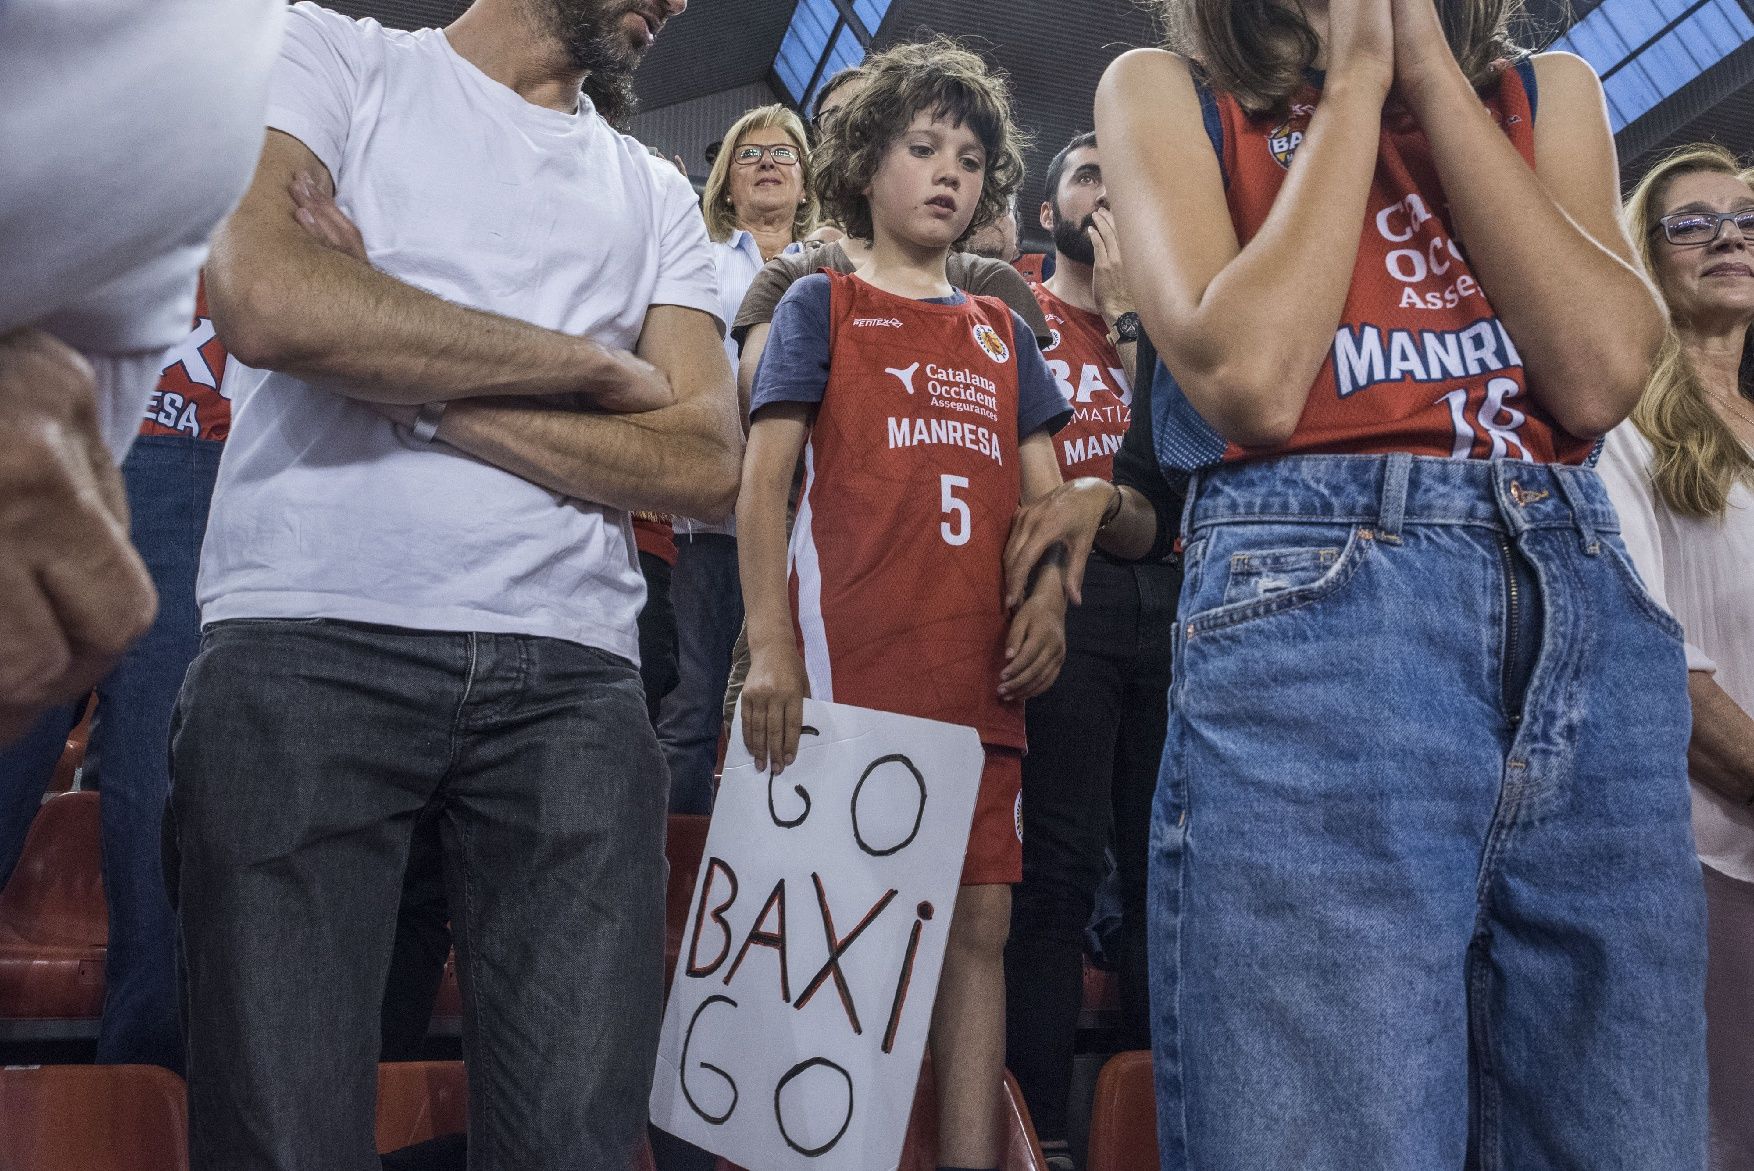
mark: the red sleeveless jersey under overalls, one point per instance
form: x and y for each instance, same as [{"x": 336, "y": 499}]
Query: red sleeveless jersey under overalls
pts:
[
  {"x": 911, "y": 482},
  {"x": 1421, "y": 362}
]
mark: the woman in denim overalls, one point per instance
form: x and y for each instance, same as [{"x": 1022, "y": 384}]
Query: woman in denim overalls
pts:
[{"x": 1424, "y": 893}]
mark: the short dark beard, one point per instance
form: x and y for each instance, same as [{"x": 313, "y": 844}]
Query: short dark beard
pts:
[
  {"x": 1073, "y": 240},
  {"x": 588, "y": 32}
]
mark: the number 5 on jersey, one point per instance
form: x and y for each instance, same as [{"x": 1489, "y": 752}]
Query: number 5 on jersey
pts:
[{"x": 955, "y": 528}]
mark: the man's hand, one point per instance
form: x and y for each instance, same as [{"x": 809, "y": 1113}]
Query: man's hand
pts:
[
  {"x": 73, "y": 592},
  {"x": 316, "y": 211},
  {"x": 1109, "y": 276}
]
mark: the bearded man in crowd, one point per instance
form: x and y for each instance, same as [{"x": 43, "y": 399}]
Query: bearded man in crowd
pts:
[{"x": 482, "y": 327}]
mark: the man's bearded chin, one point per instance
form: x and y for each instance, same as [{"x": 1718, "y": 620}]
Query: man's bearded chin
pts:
[
  {"x": 1073, "y": 240},
  {"x": 590, "y": 32}
]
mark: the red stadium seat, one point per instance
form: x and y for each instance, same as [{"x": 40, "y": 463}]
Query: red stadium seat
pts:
[
  {"x": 1123, "y": 1120},
  {"x": 92, "y": 1118},
  {"x": 420, "y": 1100},
  {"x": 684, "y": 844},
  {"x": 1021, "y": 1150},
  {"x": 54, "y": 926}
]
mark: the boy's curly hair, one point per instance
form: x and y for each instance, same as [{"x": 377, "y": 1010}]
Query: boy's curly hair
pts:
[{"x": 939, "y": 76}]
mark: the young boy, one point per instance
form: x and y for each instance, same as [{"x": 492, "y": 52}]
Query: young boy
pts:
[{"x": 922, "y": 415}]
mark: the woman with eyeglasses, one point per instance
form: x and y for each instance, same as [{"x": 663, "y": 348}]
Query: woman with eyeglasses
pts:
[
  {"x": 1681, "y": 472},
  {"x": 758, "y": 204}
]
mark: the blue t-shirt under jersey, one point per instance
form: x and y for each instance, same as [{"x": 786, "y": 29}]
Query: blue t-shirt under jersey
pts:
[{"x": 794, "y": 364}]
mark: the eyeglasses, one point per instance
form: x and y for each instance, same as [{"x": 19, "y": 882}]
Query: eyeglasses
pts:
[
  {"x": 748, "y": 156},
  {"x": 1694, "y": 228}
]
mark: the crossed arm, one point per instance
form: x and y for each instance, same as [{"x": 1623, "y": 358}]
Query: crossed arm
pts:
[{"x": 659, "y": 430}]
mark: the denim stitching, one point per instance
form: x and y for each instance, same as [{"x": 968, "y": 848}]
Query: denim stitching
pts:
[{"x": 1223, "y": 617}]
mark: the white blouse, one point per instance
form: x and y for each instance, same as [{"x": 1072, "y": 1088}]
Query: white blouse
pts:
[{"x": 1703, "y": 571}]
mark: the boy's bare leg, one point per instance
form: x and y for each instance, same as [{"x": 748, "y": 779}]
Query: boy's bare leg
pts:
[{"x": 968, "y": 1028}]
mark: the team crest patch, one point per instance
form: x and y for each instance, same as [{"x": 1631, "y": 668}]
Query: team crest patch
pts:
[
  {"x": 992, "y": 343},
  {"x": 1283, "y": 140},
  {"x": 1053, "y": 339}
]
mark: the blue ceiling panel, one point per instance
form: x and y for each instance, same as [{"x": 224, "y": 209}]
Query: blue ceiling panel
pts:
[{"x": 1646, "y": 50}]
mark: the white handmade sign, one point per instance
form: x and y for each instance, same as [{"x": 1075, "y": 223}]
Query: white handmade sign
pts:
[{"x": 798, "y": 1014}]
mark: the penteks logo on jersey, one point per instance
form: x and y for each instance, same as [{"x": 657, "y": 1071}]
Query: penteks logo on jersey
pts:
[{"x": 992, "y": 343}]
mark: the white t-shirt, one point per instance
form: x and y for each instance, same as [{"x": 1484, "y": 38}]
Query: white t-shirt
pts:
[
  {"x": 1702, "y": 570},
  {"x": 462, "y": 188},
  {"x": 128, "y": 130}
]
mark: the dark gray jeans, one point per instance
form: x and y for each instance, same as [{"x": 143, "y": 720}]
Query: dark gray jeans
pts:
[{"x": 302, "y": 753}]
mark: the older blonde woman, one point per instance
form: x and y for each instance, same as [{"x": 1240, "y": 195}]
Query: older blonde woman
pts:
[
  {"x": 1681, "y": 472},
  {"x": 758, "y": 204}
]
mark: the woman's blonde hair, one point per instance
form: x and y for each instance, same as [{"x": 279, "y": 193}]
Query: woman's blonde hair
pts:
[
  {"x": 721, "y": 217},
  {"x": 1258, "y": 50},
  {"x": 1698, "y": 457}
]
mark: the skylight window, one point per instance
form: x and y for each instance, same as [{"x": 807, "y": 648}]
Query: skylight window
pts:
[
  {"x": 1646, "y": 50},
  {"x": 825, "y": 37}
]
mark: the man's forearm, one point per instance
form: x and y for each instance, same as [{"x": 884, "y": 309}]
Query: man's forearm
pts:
[
  {"x": 682, "y": 459},
  {"x": 370, "y": 336}
]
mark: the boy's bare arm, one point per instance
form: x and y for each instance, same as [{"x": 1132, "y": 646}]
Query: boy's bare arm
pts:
[{"x": 773, "y": 694}]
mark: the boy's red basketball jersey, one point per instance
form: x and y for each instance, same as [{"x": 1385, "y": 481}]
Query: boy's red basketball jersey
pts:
[
  {"x": 1088, "y": 368},
  {"x": 188, "y": 399},
  {"x": 911, "y": 482},
  {"x": 1421, "y": 362}
]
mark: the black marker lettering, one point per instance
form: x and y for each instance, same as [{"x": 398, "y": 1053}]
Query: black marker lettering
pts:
[
  {"x": 714, "y": 867},
  {"x": 774, "y": 939},
  {"x": 919, "y": 813},
  {"x": 779, "y": 1111},
  {"x": 924, "y": 912},
  {"x": 838, "y": 948},
  {"x": 682, "y": 1074}
]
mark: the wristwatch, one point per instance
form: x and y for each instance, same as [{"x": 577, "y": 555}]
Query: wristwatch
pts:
[
  {"x": 1125, "y": 330},
  {"x": 426, "y": 423}
]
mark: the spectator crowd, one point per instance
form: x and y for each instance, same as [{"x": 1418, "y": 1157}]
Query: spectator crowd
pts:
[{"x": 1343, "y": 545}]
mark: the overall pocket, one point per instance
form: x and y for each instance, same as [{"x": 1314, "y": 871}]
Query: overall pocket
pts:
[{"x": 1254, "y": 571}]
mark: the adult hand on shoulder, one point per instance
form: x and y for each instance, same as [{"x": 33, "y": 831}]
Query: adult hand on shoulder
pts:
[
  {"x": 73, "y": 592},
  {"x": 1361, "y": 43},
  {"x": 1109, "y": 274},
  {"x": 1069, "y": 516}
]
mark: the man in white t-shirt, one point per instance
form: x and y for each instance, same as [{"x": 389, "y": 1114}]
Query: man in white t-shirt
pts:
[
  {"x": 419, "y": 585},
  {"x": 127, "y": 130}
]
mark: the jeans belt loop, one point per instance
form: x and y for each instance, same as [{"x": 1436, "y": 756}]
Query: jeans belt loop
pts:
[
  {"x": 1392, "y": 509},
  {"x": 1195, "y": 479},
  {"x": 1567, "y": 479}
]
